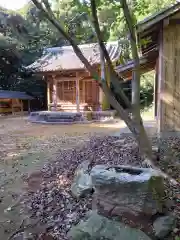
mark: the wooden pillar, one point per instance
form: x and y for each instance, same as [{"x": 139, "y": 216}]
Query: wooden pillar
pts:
[
  {"x": 155, "y": 89},
  {"x": 48, "y": 95},
  {"x": 101, "y": 98},
  {"x": 77, "y": 93},
  {"x": 54, "y": 92},
  {"x": 21, "y": 107},
  {"x": 12, "y": 107},
  {"x": 62, "y": 91},
  {"x": 29, "y": 106},
  {"x": 160, "y": 104},
  {"x": 83, "y": 90}
]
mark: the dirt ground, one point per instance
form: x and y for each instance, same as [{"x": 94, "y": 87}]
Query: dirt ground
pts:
[{"x": 25, "y": 148}]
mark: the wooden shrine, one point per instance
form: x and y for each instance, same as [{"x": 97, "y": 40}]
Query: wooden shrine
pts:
[{"x": 70, "y": 87}]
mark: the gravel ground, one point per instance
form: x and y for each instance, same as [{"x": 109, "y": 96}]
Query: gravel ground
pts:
[{"x": 53, "y": 210}]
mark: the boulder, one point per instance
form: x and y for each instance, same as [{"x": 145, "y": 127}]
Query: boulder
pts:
[
  {"x": 125, "y": 190},
  {"x": 97, "y": 227},
  {"x": 82, "y": 183},
  {"x": 163, "y": 226},
  {"x": 18, "y": 236}
]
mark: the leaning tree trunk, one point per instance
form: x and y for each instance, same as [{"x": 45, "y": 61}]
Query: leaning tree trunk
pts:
[
  {"x": 138, "y": 128},
  {"x": 144, "y": 142}
]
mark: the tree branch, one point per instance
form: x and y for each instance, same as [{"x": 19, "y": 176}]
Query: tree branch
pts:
[
  {"x": 48, "y": 7},
  {"x": 144, "y": 140},
  {"x": 136, "y": 72},
  {"x": 115, "y": 78}
]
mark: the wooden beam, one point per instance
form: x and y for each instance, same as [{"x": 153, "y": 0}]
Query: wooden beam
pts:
[
  {"x": 54, "y": 92},
  {"x": 174, "y": 21},
  {"x": 77, "y": 93},
  {"x": 66, "y": 79},
  {"x": 166, "y": 22},
  {"x": 48, "y": 95}
]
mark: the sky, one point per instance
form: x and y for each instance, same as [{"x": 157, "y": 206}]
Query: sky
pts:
[{"x": 13, "y": 4}]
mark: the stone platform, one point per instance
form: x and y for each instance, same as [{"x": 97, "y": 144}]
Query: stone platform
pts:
[{"x": 58, "y": 117}]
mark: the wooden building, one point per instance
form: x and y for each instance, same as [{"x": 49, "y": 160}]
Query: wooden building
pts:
[
  {"x": 70, "y": 87},
  {"x": 161, "y": 33},
  {"x": 13, "y": 101}
]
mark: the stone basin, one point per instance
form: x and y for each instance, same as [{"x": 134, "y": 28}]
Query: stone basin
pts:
[{"x": 125, "y": 190}]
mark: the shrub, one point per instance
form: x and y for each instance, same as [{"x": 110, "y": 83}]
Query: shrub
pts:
[{"x": 147, "y": 90}]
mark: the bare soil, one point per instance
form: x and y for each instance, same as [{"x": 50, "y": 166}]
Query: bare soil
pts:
[{"x": 25, "y": 148}]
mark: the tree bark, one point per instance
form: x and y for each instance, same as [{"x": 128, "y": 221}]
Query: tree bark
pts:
[
  {"x": 141, "y": 136},
  {"x": 115, "y": 79},
  {"x": 136, "y": 70},
  {"x": 144, "y": 141}
]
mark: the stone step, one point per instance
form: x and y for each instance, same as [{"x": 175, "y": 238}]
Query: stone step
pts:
[
  {"x": 63, "y": 117},
  {"x": 69, "y": 107},
  {"x": 69, "y": 117},
  {"x": 61, "y": 120},
  {"x": 55, "y": 116}
]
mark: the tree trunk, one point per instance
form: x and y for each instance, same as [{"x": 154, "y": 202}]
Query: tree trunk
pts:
[
  {"x": 144, "y": 142},
  {"x": 115, "y": 79}
]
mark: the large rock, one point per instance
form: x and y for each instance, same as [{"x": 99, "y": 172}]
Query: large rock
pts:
[
  {"x": 97, "y": 227},
  {"x": 127, "y": 191},
  {"x": 82, "y": 183},
  {"x": 163, "y": 226}
]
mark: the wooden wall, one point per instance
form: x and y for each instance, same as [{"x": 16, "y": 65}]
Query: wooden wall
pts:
[
  {"x": 88, "y": 91},
  {"x": 66, "y": 91},
  {"x": 169, "y": 79}
]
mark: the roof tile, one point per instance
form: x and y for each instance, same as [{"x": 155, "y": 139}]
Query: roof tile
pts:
[
  {"x": 4, "y": 94},
  {"x": 64, "y": 58}
]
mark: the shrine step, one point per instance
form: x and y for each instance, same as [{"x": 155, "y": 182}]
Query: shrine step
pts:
[
  {"x": 73, "y": 107},
  {"x": 67, "y": 107},
  {"x": 48, "y": 116},
  {"x": 70, "y": 117}
]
